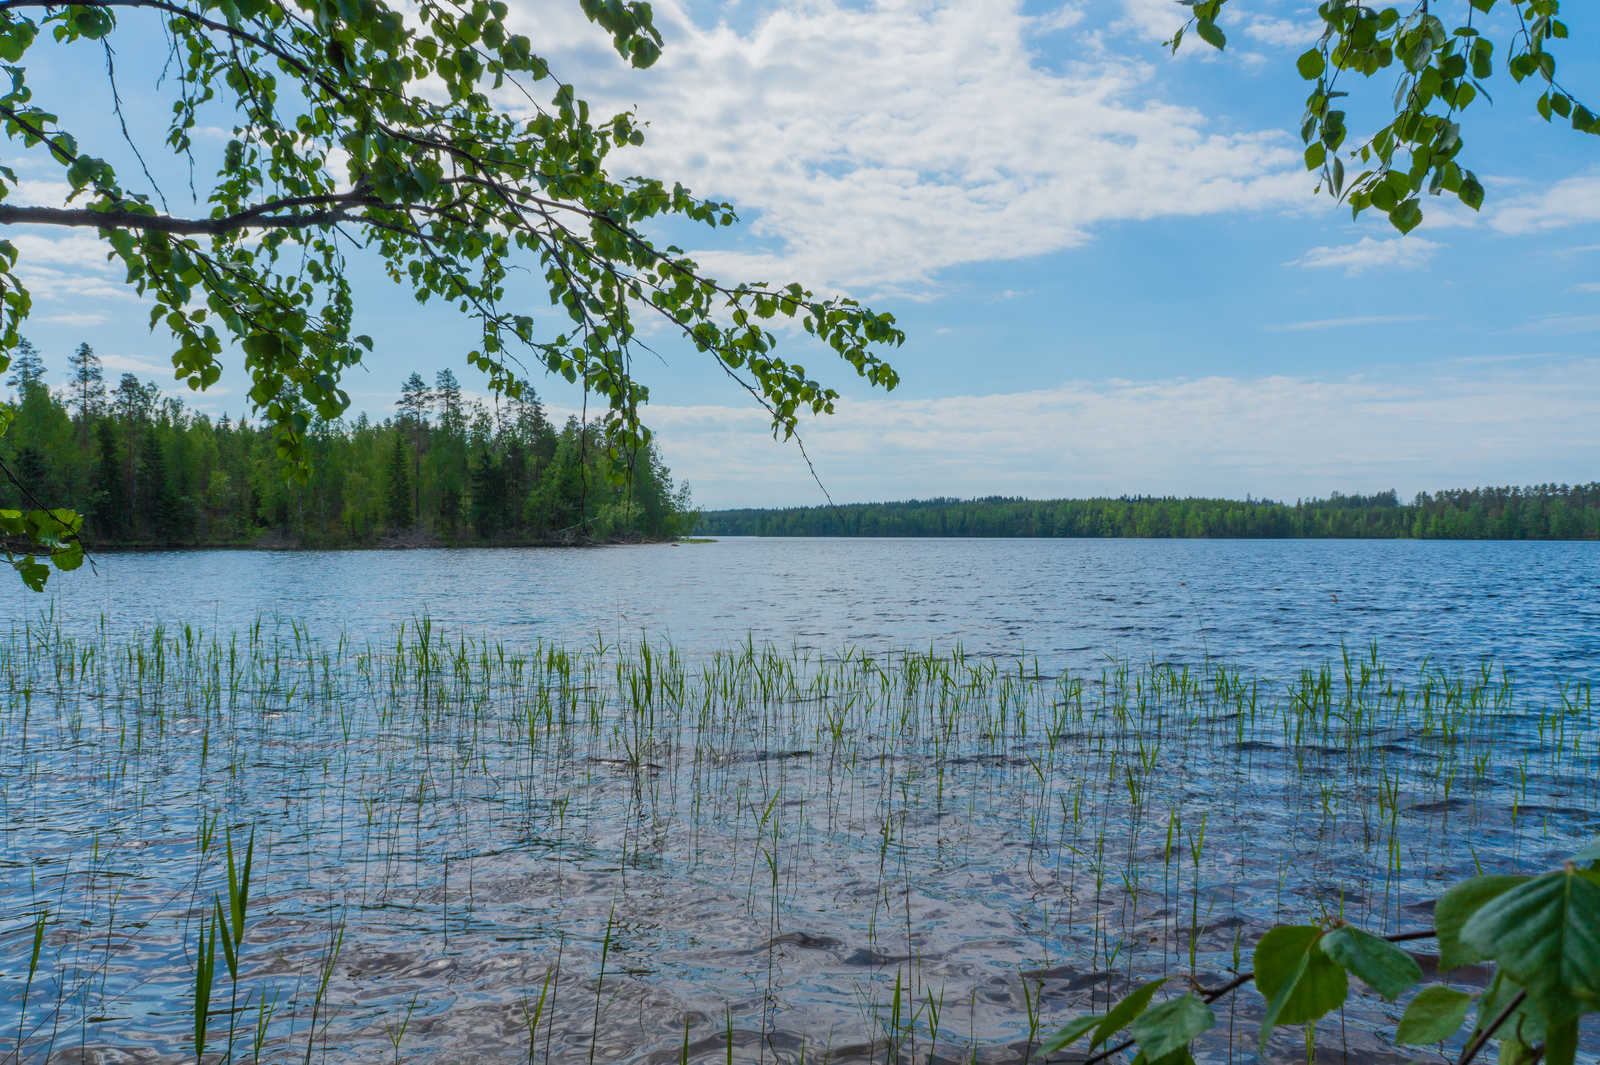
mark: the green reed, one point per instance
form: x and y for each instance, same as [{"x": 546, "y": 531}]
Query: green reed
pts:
[{"x": 737, "y": 767}]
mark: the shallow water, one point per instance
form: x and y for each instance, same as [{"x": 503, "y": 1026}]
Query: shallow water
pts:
[
  {"x": 789, "y": 854},
  {"x": 1269, "y": 606}
]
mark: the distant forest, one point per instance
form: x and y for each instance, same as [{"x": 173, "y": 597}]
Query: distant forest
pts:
[
  {"x": 1542, "y": 512},
  {"x": 146, "y": 471}
]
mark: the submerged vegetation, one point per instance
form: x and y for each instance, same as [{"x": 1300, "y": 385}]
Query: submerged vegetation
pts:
[
  {"x": 144, "y": 470},
  {"x": 449, "y": 845},
  {"x": 1542, "y": 512}
]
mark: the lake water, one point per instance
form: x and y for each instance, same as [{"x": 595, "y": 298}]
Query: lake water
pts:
[
  {"x": 804, "y": 849},
  {"x": 1269, "y": 606}
]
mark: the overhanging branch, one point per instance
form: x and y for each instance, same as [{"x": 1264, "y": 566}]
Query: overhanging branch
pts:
[{"x": 83, "y": 216}]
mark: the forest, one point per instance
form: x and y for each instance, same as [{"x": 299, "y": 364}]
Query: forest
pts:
[
  {"x": 1542, "y": 512},
  {"x": 146, "y": 471}
]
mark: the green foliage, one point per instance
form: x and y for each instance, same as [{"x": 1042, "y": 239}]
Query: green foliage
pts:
[
  {"x": 1545, "y": 936},
  {"x": 1298, "y": 979},
  {"x": 397, "y": 508},
  {"x": 1543, "y": 933},
  {"x": 1542, "y": 512},
  {"x": 1434, "y": 1015},
  {"x": 1382, "y": 966},
  {"x": 378, "y": 121},
  {"x": 157, "y": 474},
  {"x": 1454, "y": 909},
  {"x": 1441, "y": 72},
  {"x": 1167, "y": 1029}
]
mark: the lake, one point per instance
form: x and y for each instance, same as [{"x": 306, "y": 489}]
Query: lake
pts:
[
  {"x": 1269, "y": 606},
  {"x": 763, "y": 800}
]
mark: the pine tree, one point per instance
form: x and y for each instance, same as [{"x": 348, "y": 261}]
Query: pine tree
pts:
[
  {"x": 416, "y": 400},
  {"x": 88, "y": 387},
  {"x": 398, "y": 501}
]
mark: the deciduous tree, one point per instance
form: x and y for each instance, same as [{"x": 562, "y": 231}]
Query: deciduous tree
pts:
[
  {"x": 353, "y": 117},
  {"x": 1442, "y": 61}
]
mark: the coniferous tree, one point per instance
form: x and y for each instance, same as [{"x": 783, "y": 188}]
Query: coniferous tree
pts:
[
  {"x": 155, "y": 503},
  {"x": 416, "y": 400},
  {"x": 88, "y": 387},
  {"x": 27, "y": 368},
  {"x": 488, "y": 497},
  {"x": 398, "y": 499},
  {"x": 110, "y": 495}
]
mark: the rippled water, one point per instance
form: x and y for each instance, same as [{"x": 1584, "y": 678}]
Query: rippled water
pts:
[
  {"x": 1269, "y": 605},
  {"x": 804, "y": 851}
]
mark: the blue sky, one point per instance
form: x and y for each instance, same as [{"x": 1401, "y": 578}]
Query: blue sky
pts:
[{"x": 1111, "y": 268}]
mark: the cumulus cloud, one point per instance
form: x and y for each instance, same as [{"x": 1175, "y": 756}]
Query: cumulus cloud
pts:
[
  {"x": 874, "y": 145},
  {"x": 1368, "y": 254},
  {"x": 1573, "y": 201},
  {"x": 1279, "y": 436}
]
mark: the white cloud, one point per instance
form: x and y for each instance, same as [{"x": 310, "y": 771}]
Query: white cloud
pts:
[
  {"x": 1062, "y": 18},
  {"x": 1152, "y": 20},
  {"x": 1339, "y": 323},
  {"x": 1278, "y": 436},
  {"x": 1587, "y": 286},
  {"x": 1562, "y": 324},
  {"x": 134, "y": 365},
  {"x": 1367, "y": 254},
  {"x": 74, "y": 318},
  {"x": 1573, "y": 201},
  {"x": 31, "y": 192},
  {"x": 876, "y": 145},
  {"x": 1284, "y": 33},
  {"x": 81, "y": 250}
]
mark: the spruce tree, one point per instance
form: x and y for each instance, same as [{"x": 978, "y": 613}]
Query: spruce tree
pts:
[
  {"x": 110, "y": 493},
  {"x": 156, "y": 505},
  {"x": 398, "y": 500},
  {"x": 27, "y": 368}
]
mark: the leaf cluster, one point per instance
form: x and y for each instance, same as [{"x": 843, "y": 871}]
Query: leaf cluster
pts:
[
  {"x": 1542, "y": 933},
  {"x": 1440, "y": 70},
  {"x": 417, "y": 134}
]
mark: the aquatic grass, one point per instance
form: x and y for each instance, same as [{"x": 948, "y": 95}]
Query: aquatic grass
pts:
[{"x": 786, "y": 836}]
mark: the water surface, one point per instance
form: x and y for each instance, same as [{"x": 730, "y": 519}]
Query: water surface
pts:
[{"x": 1269, "y": 606}]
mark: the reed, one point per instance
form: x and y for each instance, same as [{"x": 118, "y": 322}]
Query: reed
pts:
[{"x": 833, "y": 850}]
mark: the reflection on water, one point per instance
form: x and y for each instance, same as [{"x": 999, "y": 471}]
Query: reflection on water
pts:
[
  {"x": 1270, "y": 606},
  {"x": 505, "y": 852}
]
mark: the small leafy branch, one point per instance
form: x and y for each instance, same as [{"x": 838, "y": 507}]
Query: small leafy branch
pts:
[
  {"x": 1542, "y": 933},
  {"x": 1441, "y": 72}
]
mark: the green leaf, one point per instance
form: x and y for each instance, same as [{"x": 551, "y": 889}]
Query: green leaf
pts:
[
  {"x": 1123, "y": 1013},
  {"x": 1591, "y": 853},
  {"x": 1211, "y": 34},
  {"x": 1316, "y": 152},
  {"x": 1070, "y": 1032},
  {"x": 1545, "y": 936},
  {"x": 1299, "y": 983},
  {"x": 1382, "y": 966},
  {"x": 1407, "y": 216},
  {"x": 1525, "y": 1024},
  {"x": 1456, "y": 906},
  {"x": 1561, "y": 1044},
  {"x": 1162, "y": 1030},
  {"x": 1310, "y": 64},
  {"x": 1433, "y": 1016}
]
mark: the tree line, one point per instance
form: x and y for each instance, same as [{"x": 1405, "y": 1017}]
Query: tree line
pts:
[
  {"x": 1541, "y": 512},
  {"x": 145, "y": 470}
]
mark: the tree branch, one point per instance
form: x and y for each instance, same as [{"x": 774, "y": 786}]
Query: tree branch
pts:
[{"x": 84, "y": 216}]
